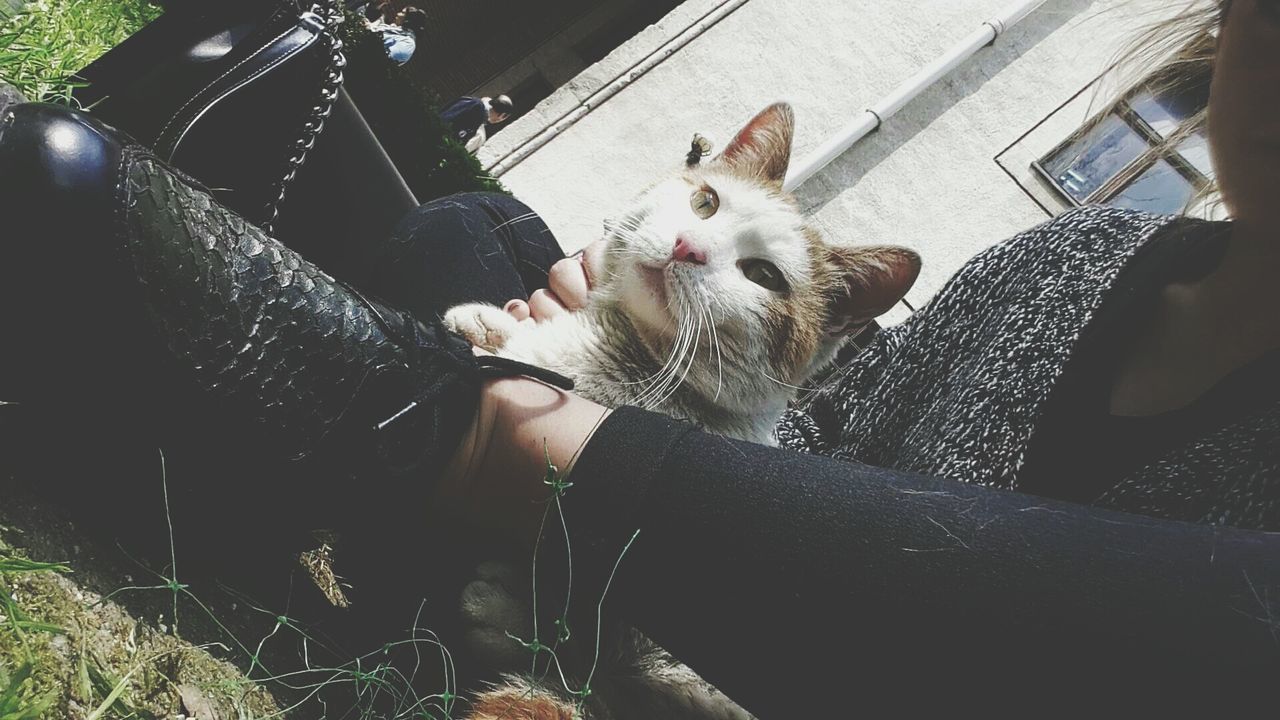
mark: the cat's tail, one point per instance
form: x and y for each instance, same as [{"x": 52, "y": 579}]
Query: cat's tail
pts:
[
  {"x": 657, "y": 687},
  {"x": 516, "y": 699}
]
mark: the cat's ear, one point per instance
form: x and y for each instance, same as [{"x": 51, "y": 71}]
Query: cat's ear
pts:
[
  {"x": 762, "y": 148},
  {"x": 869, "y": 281}
]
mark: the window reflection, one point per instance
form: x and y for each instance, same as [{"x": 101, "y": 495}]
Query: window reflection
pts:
[
  {"x": 1137, "y": 155},
  {"x": 1085, "y": 165},
  {"x": 1161, "y": 190}
]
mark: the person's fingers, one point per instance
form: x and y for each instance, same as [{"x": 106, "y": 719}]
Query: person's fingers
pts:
[
  {"x": 518, "y": 309},
  {"x": 544, "y": 305},
  {"x": 568, "y": 280},
  {"x": 593, "y": 261}
]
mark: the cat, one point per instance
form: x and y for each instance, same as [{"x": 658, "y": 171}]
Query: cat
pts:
[{"x": 712, "y": 301}]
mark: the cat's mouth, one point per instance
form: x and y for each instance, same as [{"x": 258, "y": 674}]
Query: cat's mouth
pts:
[{"x": 655, "y": 279}]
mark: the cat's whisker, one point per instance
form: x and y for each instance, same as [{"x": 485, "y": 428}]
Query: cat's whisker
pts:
[
  {"x": 516, "y": 219},
  {"x": 679, "y": 340},
  {"x": 692, "y": 352},
  {"x": 628, "y": 251},
  {"x": 668, "y": 370},
  {"x": 788, "y": 385},
  {"x": 660, "y": 371},
  {"x": 657, "y": 381},
  {"x": 715, "y": 346},
  {"x": 687, "y": 342},
  {"x": 650, "y": 399}
]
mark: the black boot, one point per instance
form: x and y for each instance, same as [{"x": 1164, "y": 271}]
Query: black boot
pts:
[{"x": 136, "y": 304}]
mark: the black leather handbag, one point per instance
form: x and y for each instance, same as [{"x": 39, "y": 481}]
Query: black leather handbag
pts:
[{"x": 233, "y": 93}]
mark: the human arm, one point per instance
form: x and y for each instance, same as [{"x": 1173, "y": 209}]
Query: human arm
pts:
[
  {"x": 796, "y": 582},
  {"x": 475, "y": 141},
  {"x": 802, "y": 583}
]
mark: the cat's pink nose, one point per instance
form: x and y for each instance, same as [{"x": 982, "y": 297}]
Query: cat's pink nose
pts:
[{"x": 686, "y": 251}]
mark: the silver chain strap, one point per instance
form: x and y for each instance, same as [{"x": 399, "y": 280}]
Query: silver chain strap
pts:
[{"x": 329, "y": 15}]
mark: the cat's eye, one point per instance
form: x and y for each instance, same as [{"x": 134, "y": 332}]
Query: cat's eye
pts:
[
  {"x": 704, "y": 202},
  {"x": 764, "y": 273}
]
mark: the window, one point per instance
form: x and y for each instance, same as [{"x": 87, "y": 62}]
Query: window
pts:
[{"x": 1134, "y": 156}]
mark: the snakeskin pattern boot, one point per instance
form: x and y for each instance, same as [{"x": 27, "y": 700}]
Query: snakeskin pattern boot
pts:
[{"x": 133, "y": 297}]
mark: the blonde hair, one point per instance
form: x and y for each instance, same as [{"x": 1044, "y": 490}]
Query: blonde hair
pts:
[{"x": 1181, "y": 49}]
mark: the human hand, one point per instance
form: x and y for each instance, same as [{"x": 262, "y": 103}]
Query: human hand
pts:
[{"x": 570, "y": 281}]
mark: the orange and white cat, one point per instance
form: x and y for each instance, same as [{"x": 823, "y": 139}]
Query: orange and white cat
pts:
[
  {"x": 712, "y": 301},
  {"x": 712, "y": 297}
]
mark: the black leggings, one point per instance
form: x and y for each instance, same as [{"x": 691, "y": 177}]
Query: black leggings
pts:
[{"x": 470, "y": 247}]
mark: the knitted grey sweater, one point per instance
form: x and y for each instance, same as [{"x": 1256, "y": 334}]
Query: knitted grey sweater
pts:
[{"x": 959, "y": 389}]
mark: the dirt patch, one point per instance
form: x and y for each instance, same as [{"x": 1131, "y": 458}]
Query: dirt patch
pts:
[
  {"x": 89, "y": 656},
  {"x": 97, "y": 631}
]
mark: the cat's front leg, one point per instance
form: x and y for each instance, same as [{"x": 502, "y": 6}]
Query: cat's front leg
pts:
[
  {"x": 497, "y": 612},
  {"x": 484, "y": 326}
]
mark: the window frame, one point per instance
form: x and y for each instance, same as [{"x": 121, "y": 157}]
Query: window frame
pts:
[{"x": 1158, "y": 148}]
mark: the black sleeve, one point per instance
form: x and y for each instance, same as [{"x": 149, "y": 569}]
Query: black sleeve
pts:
[{"x": 797, "y": 582}]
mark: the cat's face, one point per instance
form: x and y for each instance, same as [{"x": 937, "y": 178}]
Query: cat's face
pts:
[
  {"x": 707, "y": 242},
  {"x": 719, "y": 259}
]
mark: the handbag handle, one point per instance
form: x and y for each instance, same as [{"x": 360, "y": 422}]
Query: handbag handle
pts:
[
  {"x": 284, "y": 46},
  {"x": 331, "y": 13},
  {"x": 315, "y": 25}
]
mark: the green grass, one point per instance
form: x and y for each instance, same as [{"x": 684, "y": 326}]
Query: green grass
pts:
[
  {"x": 14, "y": 703},
  {"x": 48, "y": 41},
  {"x": 19, "y": 700}
]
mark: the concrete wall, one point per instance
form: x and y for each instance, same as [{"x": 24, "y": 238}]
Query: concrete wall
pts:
[{"x": 929, "y": 179}]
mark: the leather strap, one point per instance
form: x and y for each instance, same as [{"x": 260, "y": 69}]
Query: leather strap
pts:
[{"x": 279, "y": 50}]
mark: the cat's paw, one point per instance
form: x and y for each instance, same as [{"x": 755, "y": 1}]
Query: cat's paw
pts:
[
  {"x": 484, "y": 326},
  {"x": 497, "y": 605}
]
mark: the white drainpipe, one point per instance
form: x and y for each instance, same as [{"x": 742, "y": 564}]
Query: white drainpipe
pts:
[
  {"x": 517, "y": 154},
  {"x": 871, "y": 119}
]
